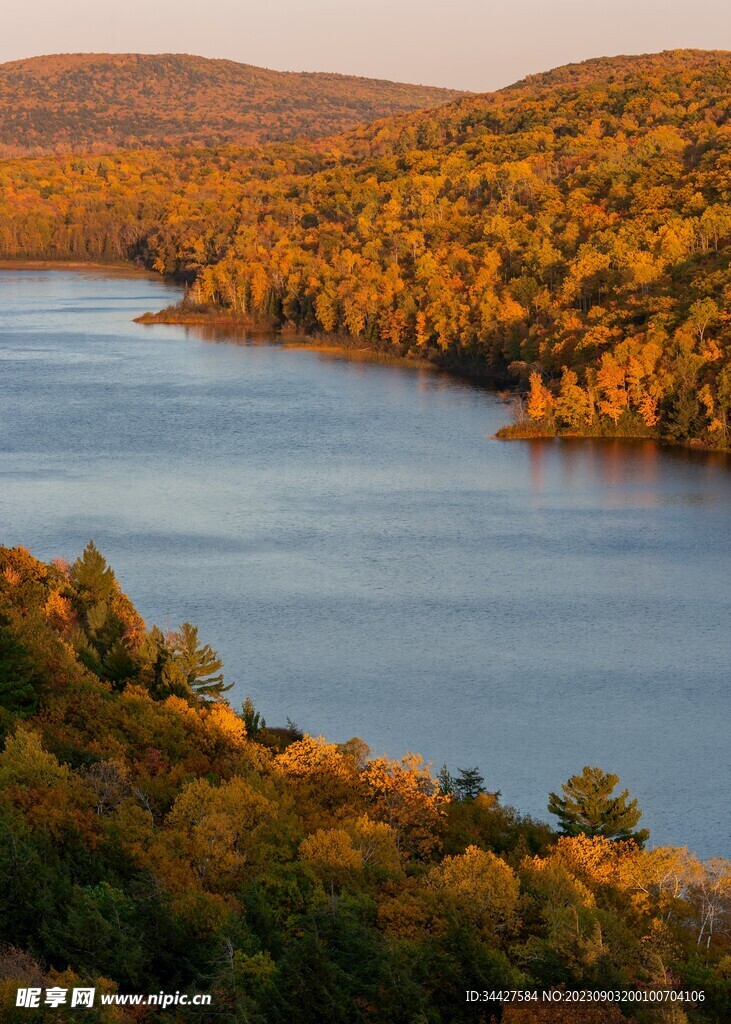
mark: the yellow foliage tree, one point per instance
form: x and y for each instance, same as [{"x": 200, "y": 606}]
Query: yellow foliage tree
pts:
[
  {"x": 405, "y": 796},
  {"x": 331, "y": 854},
  {"x": 376, "y": 842},
  {"x": 212, "y": 828},
  {"x": 572, "y": 406},
  {"x": 540, "y": 402},
  {"x": 478, "y": 886}
]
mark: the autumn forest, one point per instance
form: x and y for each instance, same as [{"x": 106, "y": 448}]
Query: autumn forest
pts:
[
  {"x": 100, "y": 101},
  {"x": 566, "y": 239},
  {"x": 154, "y": 837},
  {"x": 568, "y": 235}
]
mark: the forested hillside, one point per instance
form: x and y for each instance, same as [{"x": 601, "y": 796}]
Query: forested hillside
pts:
[
  {"x": 103, "y": 101},
  {"x": 571, "y": 232},
  {"x": 152, "y": 838}
]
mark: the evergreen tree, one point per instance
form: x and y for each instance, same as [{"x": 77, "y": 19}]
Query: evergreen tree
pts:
[
  {"x": 118, "y": 665},
  {"x": 588, "y": 807},
  {"x": 196, "y": 665},
  {"x": 294, "y": 730},
  {"x": 685, "y": 416},
  {"x": 19, "y": 680},
  {"x": 252, "y": 719},
  {"x": 93, "y": 579},
  {"x": 446, "y": 782},
  {"x": 469, "y": 783},
  {"x": 153, "y": 654},
  {"x": 95, "y": 587}
]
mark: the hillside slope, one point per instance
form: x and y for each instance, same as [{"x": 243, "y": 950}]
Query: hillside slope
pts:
[
  {"x": 97, "y": 102},
  {"x": 291, "y": 878},
  {"x": 573, "y": 230}
]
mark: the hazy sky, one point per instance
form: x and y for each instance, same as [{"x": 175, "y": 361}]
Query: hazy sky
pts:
[{"x": 471, "y": 44}]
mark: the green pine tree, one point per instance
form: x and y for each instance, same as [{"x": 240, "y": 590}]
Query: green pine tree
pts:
[
  {"x": 588, "y": 807},
  {"x": 447, "y": 785},
  {"x": 94, "y": 585},
  {"x": 252, "y": 719},
  {"x": 469, "y": 783},
  {"x": 93, "y": 579},
  {"x": 196, "y": 665},
  {"x": 19, "y": 681},
  {"x": 118, "y": 665}
]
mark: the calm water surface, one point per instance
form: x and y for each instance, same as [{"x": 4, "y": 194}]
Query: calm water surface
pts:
[{"x": 369, "y": 562}]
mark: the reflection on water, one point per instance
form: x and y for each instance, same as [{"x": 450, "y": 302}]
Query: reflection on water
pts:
[
  {"x": 624, "y": 468},
  {"x": 369, "y": 561}
]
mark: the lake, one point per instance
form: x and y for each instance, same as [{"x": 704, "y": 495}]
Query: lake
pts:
[{"x": 369, "y": 561}]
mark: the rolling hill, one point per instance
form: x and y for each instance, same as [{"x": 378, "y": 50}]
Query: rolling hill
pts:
[{"x": 101, "y": 102}]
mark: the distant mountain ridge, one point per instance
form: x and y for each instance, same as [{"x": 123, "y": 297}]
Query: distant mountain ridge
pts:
[
  {"x": 626, "y": 93},
  {"x": 96, "y": 102}
]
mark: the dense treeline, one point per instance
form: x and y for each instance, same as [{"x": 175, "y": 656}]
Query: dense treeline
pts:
[
  {"x": 97, "y": 102},
  {"x": 572, "y": 231},
  {"x": 151, "y": 839}
]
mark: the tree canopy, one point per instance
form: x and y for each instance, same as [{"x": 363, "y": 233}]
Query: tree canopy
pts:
[
  {"x": 588, "y": 807},
  {"x": 570, "y": 234},
  {"x": 94, "y": 102}
]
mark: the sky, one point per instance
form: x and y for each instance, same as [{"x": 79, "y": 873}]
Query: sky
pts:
[{"x": 468, "y": 44}]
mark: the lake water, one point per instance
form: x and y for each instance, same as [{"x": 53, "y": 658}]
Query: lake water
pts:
[{"x": 369, "y": 562}]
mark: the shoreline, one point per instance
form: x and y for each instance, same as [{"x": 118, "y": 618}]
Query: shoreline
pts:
[
  {"x": 360, "y": 354},
  {"x": 122, "y": 269},
  {"x": 342, "y": 347},
  {"x": 339, "y": 346},
  {"x": 523, "y": 432}
]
